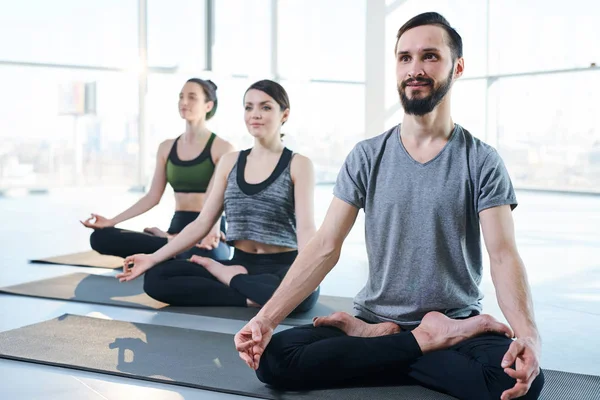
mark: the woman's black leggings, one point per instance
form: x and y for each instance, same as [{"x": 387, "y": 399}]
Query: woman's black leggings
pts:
[
  {"x": 123, "y": 243},
  {"x": 184, "y": 283}
]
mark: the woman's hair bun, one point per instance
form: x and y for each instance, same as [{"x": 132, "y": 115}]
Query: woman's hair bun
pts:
[{"x": 212, "y": 84}]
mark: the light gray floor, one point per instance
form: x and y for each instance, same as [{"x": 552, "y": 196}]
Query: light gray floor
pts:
[{"x": 558, "y": 237}]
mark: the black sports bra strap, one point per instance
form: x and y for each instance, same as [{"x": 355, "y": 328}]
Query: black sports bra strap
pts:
[
  {"x": 173, "y": 152},
  {"x": 254, "y": 188},
  {"x": 211, "y": 139}
]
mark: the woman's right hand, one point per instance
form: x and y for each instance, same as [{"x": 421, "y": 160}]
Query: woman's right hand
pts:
[
  {"x": 97, "y": 222},
  {"x": 134, "y": 266}
]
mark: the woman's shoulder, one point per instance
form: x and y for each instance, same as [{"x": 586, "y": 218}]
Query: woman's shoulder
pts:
[
  {"x": 228, "y": 160},
  {"x": 164, "y": 148},
  {"x": 222, "y": 146},
  {"x": 301, "y": 164},
  {"x": 300, "y": 159},
  {"x": 231, "y": 156}
]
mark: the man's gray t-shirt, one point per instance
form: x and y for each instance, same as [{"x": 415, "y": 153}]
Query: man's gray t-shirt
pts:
[{"x": 422, "y": 223}]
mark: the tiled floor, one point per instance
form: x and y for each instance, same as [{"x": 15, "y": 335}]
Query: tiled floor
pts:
[{"x": 558, "y": 237}]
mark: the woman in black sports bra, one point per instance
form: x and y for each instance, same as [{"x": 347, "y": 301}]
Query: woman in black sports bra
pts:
[
  {"x": 267, "y": 193},
  {"x": 187, "y": 163}
]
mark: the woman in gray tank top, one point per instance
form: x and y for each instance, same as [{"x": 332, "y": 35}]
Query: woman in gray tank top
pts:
[{"x": 267, "y": 194}]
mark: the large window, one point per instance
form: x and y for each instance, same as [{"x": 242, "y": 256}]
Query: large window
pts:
[
  {"x": 548, "y": 133},
  {"x": 325, "y": 40},
  {"x": 321, "y": 57},
  {"x": 92, "y": 32},
  {"x": 42, "y": 147},
  {"x": 242, "y": 44},
  {"x": 468, "y": 106},
  {"x": 540, "y": 35},
  {"x": 177, "y": 34},
  {"x": 515, "y": 93}
]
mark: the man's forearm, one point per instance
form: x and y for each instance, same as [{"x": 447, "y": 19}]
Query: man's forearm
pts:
[
  {"x": 306, "y": 273},
  {"x": 514, "y": 295}
]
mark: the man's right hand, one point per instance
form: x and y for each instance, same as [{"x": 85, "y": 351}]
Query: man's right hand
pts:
[
  {"x": 97, "y": 222},
  {"x": 252, "y": 340}
]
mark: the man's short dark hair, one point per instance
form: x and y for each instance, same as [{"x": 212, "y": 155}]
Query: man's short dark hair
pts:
[{"x": 433, "y": 18}]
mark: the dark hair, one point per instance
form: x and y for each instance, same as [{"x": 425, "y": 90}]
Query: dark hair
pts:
[
  {"x": 210, "y": 92},
  {"x": 273, "y": 89},
  {"x": 433, "y": 18}
]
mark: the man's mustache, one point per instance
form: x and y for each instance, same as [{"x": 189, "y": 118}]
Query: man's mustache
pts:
[{"x": 416, "y": 80}]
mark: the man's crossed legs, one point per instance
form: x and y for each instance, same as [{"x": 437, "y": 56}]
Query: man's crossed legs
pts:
[{"x": 458, "y": 357}]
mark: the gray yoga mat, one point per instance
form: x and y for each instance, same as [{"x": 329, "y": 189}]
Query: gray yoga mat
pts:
[
  {"x": 200, "y": 359},
  {"x": 185, "y": 357},
  {"x": 83, "y": 259},
  {"x": 99, "y": 289}
]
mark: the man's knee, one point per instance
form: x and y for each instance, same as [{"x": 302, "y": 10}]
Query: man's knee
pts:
[
  {"x": 498, "y": 382},
  {"x": 288, "y": 363},
  {"x": 536, "y": 387},
  {"x": 270, "y": 370},
  {"x": 275, "y": 367},
  {"x": 264, "y": 373}
]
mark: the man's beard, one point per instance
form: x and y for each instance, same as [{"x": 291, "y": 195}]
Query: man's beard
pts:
[{"x": 425, "y": 105}]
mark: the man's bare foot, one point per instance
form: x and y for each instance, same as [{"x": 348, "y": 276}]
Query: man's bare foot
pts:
[
  {"x": 437, "y": 332},
  {"x": 223, "y": 273},
  {"x": 355, "y": 327},
  {"x": 156, "y": 232},
  {"x": 250, "y": 303}
]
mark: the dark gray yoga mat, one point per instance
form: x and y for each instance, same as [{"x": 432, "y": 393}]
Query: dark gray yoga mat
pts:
[
  {"x": 83, "y": 259},
  {"x": 185, "y": 357},
  {"x": 99, "y": 289},
  {"x": 200, "y": 359}
]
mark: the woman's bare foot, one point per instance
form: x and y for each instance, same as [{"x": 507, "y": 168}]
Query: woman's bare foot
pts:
[
  {"x": 437, "y": 332},
  {"x": 156, "y": 232},
  {"x": 355, "y": 327},
  {"x": 223, "y": 273}
]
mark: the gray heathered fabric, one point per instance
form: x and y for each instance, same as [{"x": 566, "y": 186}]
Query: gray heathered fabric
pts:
[
  {"x": 267, "y": 217},
  {"x": 422, "y": 224}
]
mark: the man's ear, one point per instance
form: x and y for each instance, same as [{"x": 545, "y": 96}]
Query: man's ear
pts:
[{"x": 459, "y": 67}]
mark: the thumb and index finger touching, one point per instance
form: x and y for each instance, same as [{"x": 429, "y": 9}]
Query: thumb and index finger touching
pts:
[{"x": 515, "y": 348}]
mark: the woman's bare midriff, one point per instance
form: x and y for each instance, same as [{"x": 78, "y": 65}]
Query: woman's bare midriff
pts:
[
  {"x": 195, "y": 202},
  {"x": 250, "y": 246},
  {"x": 189, "y": 201}
]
